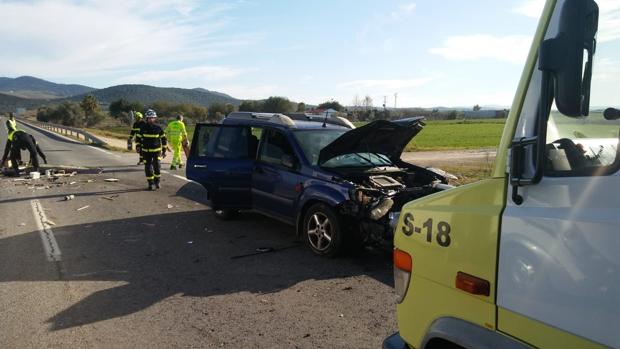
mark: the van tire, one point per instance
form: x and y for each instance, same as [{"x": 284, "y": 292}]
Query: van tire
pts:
[{"x": 322, "y": 230}]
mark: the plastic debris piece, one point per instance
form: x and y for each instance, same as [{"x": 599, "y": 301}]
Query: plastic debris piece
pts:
[
  {"x": 48, "y": 222},
  {"x": 35, "y": 175},
  {"x": 69, "y": 197},
  {"x": 83, "y": 208},
  {"x": 111, "y": 179},
  {"x": 108, "y": 198},
  {"x": 72, "y": 183},
  {"x": 90, "y": 181},
  {"x": 341, "y": 315},
  {"x": 190, "y": 242},
  {"x": 170, "y": 206}
]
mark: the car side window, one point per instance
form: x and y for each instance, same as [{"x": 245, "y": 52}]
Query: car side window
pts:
[
  {"x": 227, "y": 142},
  {"x": 274, "y": 147}
]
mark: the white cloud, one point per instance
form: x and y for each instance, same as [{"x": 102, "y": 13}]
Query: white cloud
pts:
[
  {"x": 404, "y": 9},
  {"x": 387, "y": 85},
  {"x": 71, "y": 39},
  {"x": 510, "y": 48},
  {"x": 260, "y": 91},
  {"x": 185, "y": 77},
  {"x": 530, "y": 8}
]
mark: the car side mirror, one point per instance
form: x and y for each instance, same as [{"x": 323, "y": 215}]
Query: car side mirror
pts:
[
  {"x": 289, "y": 161},
  {"x": 563, "y": 56}
]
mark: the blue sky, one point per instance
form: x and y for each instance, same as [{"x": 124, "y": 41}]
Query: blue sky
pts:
[{"x": 432, "y": 53}]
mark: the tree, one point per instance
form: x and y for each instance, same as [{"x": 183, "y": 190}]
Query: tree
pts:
[
  {"x": 367, "y": 102},
  {"x": 331, "y": 104},
  {"x": 122, "y": 106},
  {"x": 301, "y": 107},
  {"x": 218, "y": 111},
  {"x": 89, "y": 104},
  {"x": 255, "y": 106},
  {"x": 276, "y": 104},
  {"x": 476, "y": 107}
]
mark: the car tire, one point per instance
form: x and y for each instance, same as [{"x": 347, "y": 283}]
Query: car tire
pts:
[
  {"x": 226, "y": 214},
  {"x": 322, "y": 230}
]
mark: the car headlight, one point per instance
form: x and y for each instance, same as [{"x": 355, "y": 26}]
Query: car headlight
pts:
[{"x": 359, "y": 196}]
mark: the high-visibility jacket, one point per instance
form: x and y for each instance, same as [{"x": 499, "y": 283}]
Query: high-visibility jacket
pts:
[
  {"x": 11, "y": 125},
  {"x": 151, "y": 138},
  {"x": 175, "y": 131}
]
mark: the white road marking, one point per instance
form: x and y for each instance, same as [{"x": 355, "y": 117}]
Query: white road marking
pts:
[
  {"x": 101, "y": 150},
  {"x": 52, "y": 251},
  {"x": 183, "y": 178}
]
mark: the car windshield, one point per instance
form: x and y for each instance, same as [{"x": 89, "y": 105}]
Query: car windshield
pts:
[
  {"x": 358, "y": 160},
  {"x": 312, "y": 141}
]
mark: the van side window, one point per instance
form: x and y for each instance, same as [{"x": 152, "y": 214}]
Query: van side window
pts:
[
  {"x": 227, "y": 142},
  {"x": 274, "y": 147}
]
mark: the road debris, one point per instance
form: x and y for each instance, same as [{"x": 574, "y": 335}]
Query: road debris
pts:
[
  {"x": 22, "y": 224},
  {"x": 111, "y": 197},
  {"x": 72, "y": 183},
  {"x": 90, "y": 181},
  {"x": 190, "y": 242},
  {"x": 170, "y": 206},
  {"x": 83, "y": 208},
  {"x": 69, "y": 197},
  {"x": 35, "y": 175},
  {"x": 111, "y": 179},
  {"x": 263, "y": 250},
  {"x": 49, "y": 222}
]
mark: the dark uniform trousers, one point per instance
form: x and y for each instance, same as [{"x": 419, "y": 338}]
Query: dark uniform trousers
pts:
[{"x": 152, "y": 166}]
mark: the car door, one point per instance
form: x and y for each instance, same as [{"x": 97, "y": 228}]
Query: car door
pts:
[
  {"x": 221, "y": 159},
  {"x": 275, "y": 179},
  {"x": 559, "y": 266}
]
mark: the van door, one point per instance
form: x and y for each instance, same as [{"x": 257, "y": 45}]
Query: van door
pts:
[
  {"x": 274, "y": 182},
  {"x": 559, "y": 260},
  {"x": 221, "y": 159}
]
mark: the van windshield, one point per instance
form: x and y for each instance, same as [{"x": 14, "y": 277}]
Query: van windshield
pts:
[{"x": 312, "y": 141}]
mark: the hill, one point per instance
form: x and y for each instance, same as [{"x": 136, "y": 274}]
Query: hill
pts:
[
  {"x": 149, "y": 94},
  {"x": 35, "y": 88},
  {"x": 10, "y": 103}
]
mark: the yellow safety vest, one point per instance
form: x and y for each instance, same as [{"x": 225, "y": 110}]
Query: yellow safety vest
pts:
[{"x": 176, "y": 130}]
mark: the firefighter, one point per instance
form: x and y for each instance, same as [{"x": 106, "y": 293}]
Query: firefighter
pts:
[
  {"x": 134, "y": 131},
  {"x": 176, "y": 135},
  {"x": 17, "y": 141},
  {"x": 152, "y": 145}
]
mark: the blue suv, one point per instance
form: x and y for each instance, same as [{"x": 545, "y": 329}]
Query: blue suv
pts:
[{"x": 336, "y": 184}]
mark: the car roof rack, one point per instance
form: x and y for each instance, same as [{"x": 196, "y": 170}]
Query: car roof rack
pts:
[
  {"x": 332, "y": 119},
  {"x": 289, "y": 119},
  {"x": 271, "y": 117}
]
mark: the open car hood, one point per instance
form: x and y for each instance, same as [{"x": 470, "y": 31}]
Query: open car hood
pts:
[{"x": 383, "y": 137}]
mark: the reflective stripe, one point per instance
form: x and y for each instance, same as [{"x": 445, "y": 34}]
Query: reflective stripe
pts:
[
  {"x": 157, "y": 175},
  {"x": 151, "y": 177},
  {"x": 138, "y": 136},
  {"x": 151, "y": 135},
  {"x": 135, "y": 129}
]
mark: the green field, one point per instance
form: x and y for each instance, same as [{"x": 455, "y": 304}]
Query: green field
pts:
[
  {"x": 457, "y": 134},
  {"x": 437, "y": 135}
]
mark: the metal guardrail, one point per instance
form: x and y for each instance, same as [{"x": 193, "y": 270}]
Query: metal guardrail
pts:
[{"x": 66, "y": 130}]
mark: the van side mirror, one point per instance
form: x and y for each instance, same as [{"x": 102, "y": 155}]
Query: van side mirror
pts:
[
  {"x": 289, "y": 161},
  {"x": 563, "y": 56}
]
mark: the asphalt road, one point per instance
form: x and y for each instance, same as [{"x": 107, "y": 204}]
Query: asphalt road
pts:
[{"x": 119, "y": 267}]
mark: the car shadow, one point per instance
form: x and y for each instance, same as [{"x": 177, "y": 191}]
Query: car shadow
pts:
[{"x": 189, "y": 253}]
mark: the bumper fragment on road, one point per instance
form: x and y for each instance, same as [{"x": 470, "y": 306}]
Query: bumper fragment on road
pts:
[{"x": 50, "y": 246}]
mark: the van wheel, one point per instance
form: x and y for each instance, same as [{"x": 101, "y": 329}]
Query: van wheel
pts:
[
  {"x": 322, "y": 230},
  {"x": 226, "y": 214}
]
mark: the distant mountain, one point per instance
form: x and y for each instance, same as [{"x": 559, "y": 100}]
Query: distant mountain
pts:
[
  {"x": 35, "y": 88},
  {"x": 149, "y": 94},
  {"x": 10, "y": 103}
]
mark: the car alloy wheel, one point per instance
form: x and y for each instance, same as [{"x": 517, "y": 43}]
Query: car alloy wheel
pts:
[{"x": 320, "y": 231}]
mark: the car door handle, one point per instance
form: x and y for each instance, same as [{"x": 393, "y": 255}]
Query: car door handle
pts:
[{"x": 200, "y": 166}]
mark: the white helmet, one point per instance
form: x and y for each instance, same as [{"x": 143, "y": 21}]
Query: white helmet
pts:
[{"x": 150, "y": 114}]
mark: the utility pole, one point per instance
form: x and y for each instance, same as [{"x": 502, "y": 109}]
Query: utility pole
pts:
[{"x": 395, "y": 98}]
